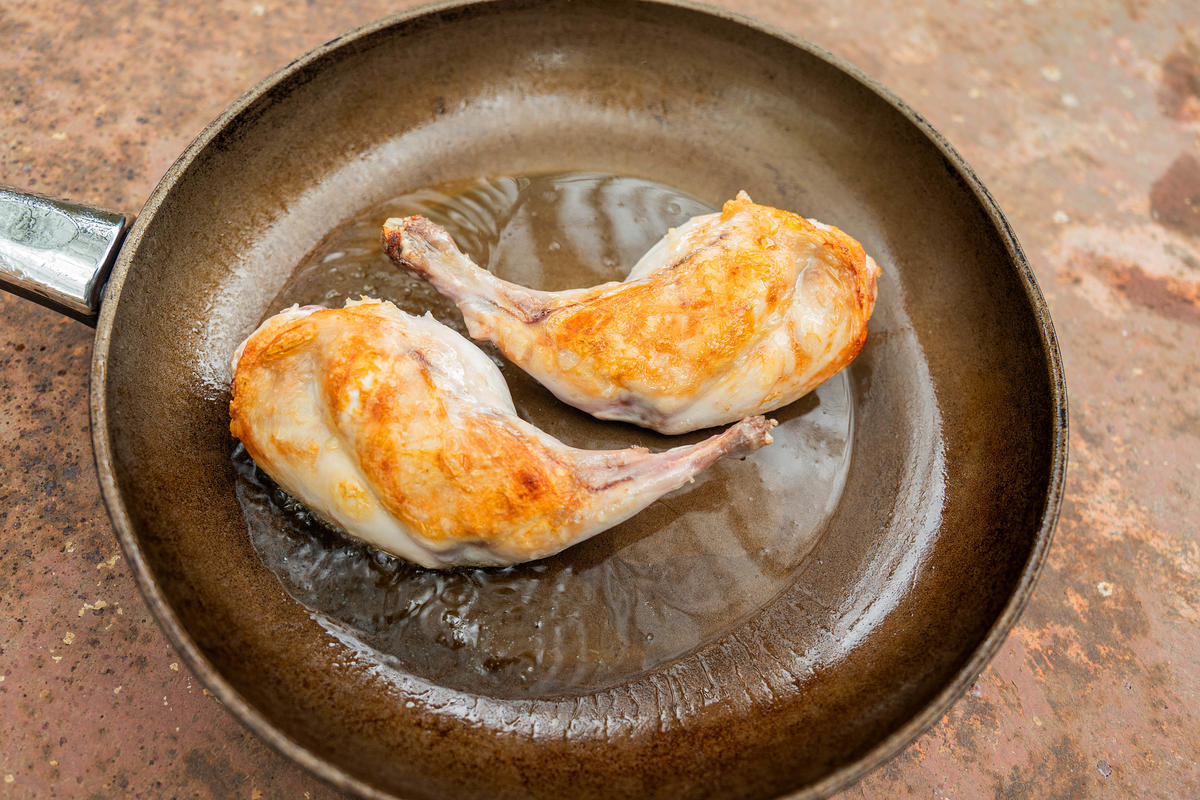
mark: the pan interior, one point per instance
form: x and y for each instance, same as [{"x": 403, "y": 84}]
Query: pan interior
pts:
[
  {"x": 674, "y": 578},
  {"x": 927, "y": 534}
]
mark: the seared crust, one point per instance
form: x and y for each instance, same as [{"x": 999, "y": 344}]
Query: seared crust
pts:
[{"x": 674, "y": 331}]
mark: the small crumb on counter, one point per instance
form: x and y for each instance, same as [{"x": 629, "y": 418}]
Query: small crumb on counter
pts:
[{"x": 97, "y": 606}]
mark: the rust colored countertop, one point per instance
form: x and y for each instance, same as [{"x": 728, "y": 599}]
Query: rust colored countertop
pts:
[{"x": 1083, "y": 122}]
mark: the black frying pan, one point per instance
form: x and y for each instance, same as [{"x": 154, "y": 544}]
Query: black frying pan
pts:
[{"x": 927, "y": 549}]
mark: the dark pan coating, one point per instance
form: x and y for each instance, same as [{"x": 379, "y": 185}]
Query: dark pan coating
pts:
[{"x": 959, "y": 410}]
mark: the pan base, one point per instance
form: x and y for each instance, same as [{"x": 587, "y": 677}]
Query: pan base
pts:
[{"x": 681, "y": 574}]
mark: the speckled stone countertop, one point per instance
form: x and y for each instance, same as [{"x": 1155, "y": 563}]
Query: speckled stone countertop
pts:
[{"x": 1085, "y": 124}]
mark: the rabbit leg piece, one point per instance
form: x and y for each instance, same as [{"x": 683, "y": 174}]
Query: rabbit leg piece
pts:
[
  {"x": 731, "y": 314},
  {"x": 403, "y": 433}
]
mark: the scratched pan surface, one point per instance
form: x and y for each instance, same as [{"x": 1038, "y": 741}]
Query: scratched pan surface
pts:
[{"x": 879, "y": 557}]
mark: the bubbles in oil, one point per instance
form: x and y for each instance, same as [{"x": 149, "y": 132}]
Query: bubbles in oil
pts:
[{"x": 680, "y": 574}]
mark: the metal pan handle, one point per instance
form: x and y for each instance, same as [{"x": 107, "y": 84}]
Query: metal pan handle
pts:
[{"x": 57, "y": 253}]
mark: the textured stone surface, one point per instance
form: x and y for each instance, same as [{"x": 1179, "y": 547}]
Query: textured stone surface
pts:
[{"x": 1083, "y": 121}]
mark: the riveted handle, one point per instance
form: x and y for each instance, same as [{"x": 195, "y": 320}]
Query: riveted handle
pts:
[{"x": 57, "y": 253}]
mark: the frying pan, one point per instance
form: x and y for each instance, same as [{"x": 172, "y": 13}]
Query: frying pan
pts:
[{"x": 931, "y": 543}]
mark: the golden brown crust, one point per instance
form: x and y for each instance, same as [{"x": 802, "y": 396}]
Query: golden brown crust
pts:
[
  {"x": 483, "y": 480},
  {"x": 673, "y": 331},
  {"x": 694, "y": 316},
  {"x": 451, "y": 472}
]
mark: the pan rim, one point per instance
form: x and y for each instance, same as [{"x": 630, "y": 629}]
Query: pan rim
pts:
[{"x": 886, "y": 749}]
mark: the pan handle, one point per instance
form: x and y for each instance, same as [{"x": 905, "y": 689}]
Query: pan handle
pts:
[{"x": 57, "y": 253}]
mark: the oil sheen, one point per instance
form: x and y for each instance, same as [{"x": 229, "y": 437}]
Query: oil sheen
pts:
[{"x": 686, "y": 570}]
